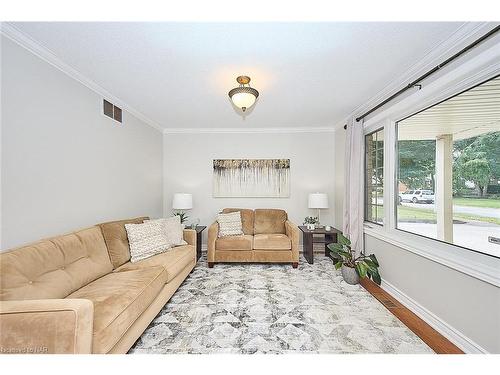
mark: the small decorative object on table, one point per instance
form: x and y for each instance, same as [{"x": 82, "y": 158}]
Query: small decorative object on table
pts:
[
  {"x": 194, "y": 224},
  {"x": 353, "y": 267},
  {"x": 311, "y": 222}
]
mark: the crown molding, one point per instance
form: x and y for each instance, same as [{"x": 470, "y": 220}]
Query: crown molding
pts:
[
  {"x": 465, "y": 34},
  {"x": 48, "y": 56},
  {"x": 283, "y": 130}
]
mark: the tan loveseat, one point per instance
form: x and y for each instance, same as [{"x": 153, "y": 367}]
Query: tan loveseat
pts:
[
  {"x": 268, "y": 236},
  {"x": 79, "y": 293}
]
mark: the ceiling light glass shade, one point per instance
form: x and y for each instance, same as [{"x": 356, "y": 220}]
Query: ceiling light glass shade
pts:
[{"x": 243, "y": 97}]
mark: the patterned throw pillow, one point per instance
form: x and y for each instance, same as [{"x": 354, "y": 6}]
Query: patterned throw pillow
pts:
[
  {"x": 147, "y": 239},
  {"x": 230, "y": 224},
  {"x": 154, "y": 237}
]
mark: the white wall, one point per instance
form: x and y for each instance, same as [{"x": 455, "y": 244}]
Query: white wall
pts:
[
  {"x": 64, "y": 165},
  {"x": 339, "y": 160},
  {"x": 187, "y": 160},
  {"x": 468, "y": 305}
]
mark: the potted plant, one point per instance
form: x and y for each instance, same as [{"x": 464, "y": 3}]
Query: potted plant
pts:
[
  {"x": 353, "y": 267},
  {"x": 311, "y": 222},
  {"x": 183, "y": 216}
]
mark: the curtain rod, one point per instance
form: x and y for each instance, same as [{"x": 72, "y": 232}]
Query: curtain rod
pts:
[{"x": 430, "y": 72}]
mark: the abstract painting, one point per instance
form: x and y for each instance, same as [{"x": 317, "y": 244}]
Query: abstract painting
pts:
[{"x": 251, "y": 178}]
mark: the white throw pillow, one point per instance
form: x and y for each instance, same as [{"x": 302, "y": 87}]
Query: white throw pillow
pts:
[
  {"x": 173, "y": 230},
  {"x": 146, "y": 239},
  {"x": 230, "y": 224}
]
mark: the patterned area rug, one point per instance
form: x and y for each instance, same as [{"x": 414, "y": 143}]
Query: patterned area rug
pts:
[{"x": 252, "y": 308}]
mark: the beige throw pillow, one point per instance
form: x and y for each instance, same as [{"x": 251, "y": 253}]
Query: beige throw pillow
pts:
[
  {"x": 146, "y": 240},
  {"x": 230, "y": 224}
]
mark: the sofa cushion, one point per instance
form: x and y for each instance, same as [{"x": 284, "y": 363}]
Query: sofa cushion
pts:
[
  {"x": 243, "y": 242},
  {"x": 119, "y": 298},
  {"x": 247, "y": 218},
  {"x": 272, "y": 242},
  {"x": 173, "y": 261},
  {"x": 270, "y": 221},
  {"x": 55, "y": 267},
  {"x": 116, "y": 239}
]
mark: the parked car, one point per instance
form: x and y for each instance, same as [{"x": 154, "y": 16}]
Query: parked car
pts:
[{"x": 417, "y": 196}]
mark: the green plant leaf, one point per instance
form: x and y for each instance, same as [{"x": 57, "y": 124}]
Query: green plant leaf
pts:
[
  {"x": 369, "y": 263},
  {"x": 376, "y": 278},
  {"x": 338, "y": 265},
  {"x": 335, "y": 246},
  {"x": 336, "y": 256},
  {"x": 362, "y": 269},
  {"x": 346, "y": 254},
  {"x": 374, "y": 259},
  {"x": 343, "y": 240},
  {"x": 341, "y": 253}
]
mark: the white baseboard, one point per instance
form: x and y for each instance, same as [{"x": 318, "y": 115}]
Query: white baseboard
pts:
[{"x": 452, "y": 334}]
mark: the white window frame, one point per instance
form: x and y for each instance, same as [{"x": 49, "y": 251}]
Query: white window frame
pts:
[
  {"x": 376, "y": 129},
  {"x": 475, "y": 70}
]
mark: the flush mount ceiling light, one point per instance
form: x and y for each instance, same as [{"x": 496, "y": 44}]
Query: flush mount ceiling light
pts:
[{"x": 244, "y": 96}]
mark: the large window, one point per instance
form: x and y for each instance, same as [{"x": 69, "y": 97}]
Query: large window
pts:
[
  {"x": 374, "y": 184},
  {"x": 448, "y": 170}
]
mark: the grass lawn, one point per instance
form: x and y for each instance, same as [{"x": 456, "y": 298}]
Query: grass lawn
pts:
[{"x": 477, "y": 202}]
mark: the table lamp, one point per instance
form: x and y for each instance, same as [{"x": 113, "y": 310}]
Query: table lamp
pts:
[
  {"x": 318, "y": 201},
  {"x": 181, "y": 202}
]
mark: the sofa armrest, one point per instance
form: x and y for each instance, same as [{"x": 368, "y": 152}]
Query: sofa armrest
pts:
[
  {"x": 292, "y": 231},
  {"x": 213, "y": 233},
  {"x": 61, "y": 326},
  {"x": 189, "y": 236}
]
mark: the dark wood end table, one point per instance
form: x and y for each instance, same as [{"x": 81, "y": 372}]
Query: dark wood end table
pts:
[
  {"x": 199, "y": 229},
  {"x": 308, "y": 240}
]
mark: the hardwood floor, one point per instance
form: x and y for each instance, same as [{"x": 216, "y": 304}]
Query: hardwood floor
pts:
[{"x": 436, "y": 341}]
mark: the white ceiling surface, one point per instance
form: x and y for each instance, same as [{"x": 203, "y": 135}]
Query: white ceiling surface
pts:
[
  {"x": 178, "y": 74},
  {"x": 474, "y": 112}
]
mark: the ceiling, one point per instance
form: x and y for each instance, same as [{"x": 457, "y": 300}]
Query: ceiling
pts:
[
  {"x": 178, "y": 74},
  {"x": 471, "y": 113}
]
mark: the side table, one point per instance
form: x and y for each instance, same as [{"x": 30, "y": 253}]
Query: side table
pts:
[
  {"x": 308, "y": 240},
  {"x": 199, "y": 229}
]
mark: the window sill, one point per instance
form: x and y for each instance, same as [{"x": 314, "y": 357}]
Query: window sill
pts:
[{"x": 477, "y": 265}]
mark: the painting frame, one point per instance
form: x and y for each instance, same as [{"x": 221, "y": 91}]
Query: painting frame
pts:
[{"x": 251, "y": 178}]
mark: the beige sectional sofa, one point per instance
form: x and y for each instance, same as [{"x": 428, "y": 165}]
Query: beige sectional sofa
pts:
[
  {"x": 79, "y": 293},
  {"x": 268, "y": 237}
]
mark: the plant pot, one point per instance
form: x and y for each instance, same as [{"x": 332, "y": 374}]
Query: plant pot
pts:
[{"x": 350, "y": 275}]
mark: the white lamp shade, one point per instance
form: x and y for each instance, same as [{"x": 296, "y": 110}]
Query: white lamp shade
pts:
[
  {"x": 318, "y": 200},
  {"x": 182, "y": 201}
]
